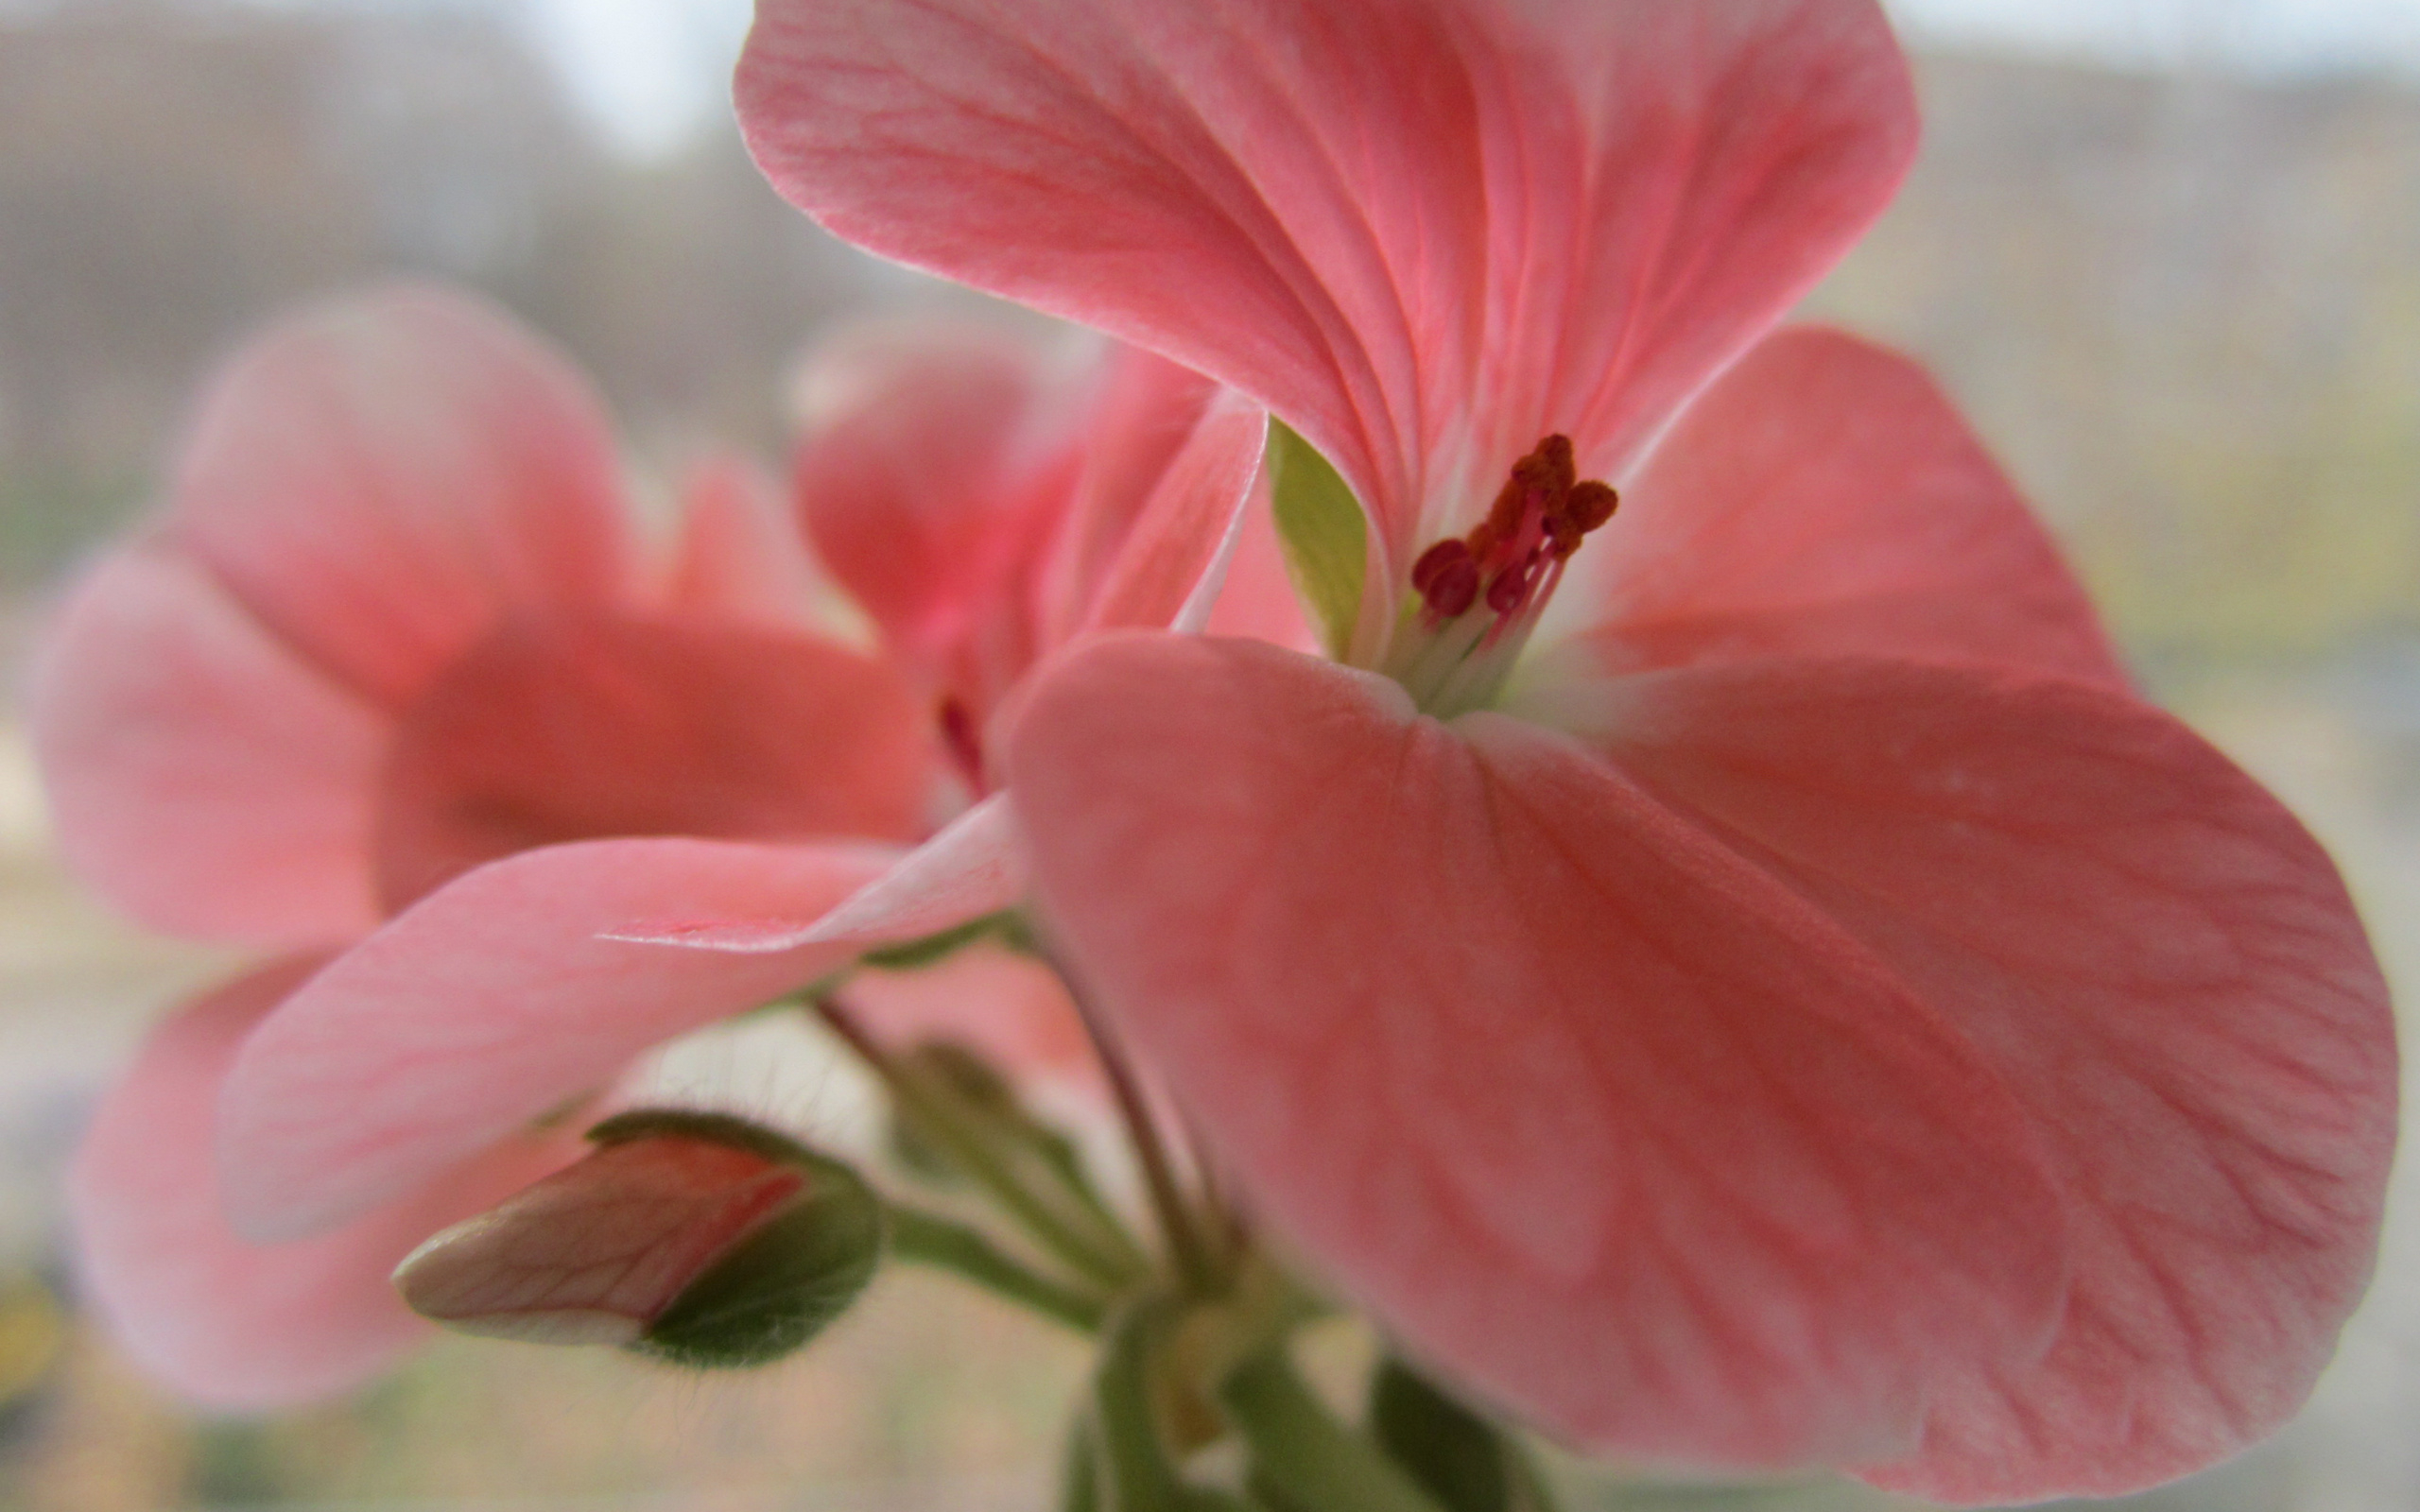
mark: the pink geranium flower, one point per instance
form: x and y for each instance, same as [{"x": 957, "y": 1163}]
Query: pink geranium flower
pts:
[
  {"x": 395, "y": 623},
  {"x": 390, "y": 661},
  {"x": 1804, "y": 1007}
]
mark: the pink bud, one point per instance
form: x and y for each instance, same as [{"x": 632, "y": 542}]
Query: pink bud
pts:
[{"x": 691, "y": 1236}]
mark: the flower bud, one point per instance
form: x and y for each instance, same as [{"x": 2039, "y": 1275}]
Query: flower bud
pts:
[{"x": 694, "y": 1237}]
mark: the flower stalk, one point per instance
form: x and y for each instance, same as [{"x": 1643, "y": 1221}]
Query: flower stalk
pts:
[
  {"x": 1107, "y": 1257},
  {"x": 944, "y": 1243},
  {"x": 1188, "y": 1251}
]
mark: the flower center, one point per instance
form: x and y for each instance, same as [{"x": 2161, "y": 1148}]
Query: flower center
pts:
[{"x": 1477, "y": 597}]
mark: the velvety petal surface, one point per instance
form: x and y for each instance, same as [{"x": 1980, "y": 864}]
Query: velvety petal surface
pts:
[
  {"x": 1598, "y": 1117},
  {"x": 492, "y": 1003},
  {"x": 1824, "y": 497},
  {"x": 202, "y": 777},
  {"x": 935, "y": 467},
  {"x": 380, "y": 478},
  {"x": 1009, "y": 1006},
  {"x": 566, "y": 729},
  {"x": 227, "y": 1324},
  {"x": 1424, "y": 235},
  {"x": 972, "y": 867},
  {"x": 1175, "y": 556},
  {"x": 1144, "y": 411},
  {"x": 1141, "y": 417},
  {"x": 2161, "y": 964},
  {"x": 1256, "y": 599},
  {"x": 742, "y": 555}
]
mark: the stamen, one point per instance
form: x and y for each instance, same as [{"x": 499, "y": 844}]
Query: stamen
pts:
[
  {"x": 1586, "y": 507},
  {"x": 1511, "y": 561},
  {"x": 1447, "y": 576},
  {"x": 1434, "y": 561},
  {"x": 1540, "y": 514},
  {"x": 1511, "y": 589}
]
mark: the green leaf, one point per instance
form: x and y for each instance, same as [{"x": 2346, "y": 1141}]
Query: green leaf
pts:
[
  {"x": 1325, "y": 534},
  {"x": 1454, "y": 1454}
]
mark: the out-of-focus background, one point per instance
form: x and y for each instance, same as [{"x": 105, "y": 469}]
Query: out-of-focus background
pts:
[{"x": 2168, "y": 255}]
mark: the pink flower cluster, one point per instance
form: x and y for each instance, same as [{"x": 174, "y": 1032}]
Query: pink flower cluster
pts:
[
  {"x": 1714, "y": 957},
  {"x": 392, "y": 688}
]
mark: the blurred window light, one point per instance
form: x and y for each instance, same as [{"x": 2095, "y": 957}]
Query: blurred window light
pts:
[
  {"x": 649, "y": 74},
  {"x": 2259, "y": 37},
  {"x": 652, "y": 72}
]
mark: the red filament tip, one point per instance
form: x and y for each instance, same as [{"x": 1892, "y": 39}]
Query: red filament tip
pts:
[
  {"x": 1537, "y": 520},
  {"x": 1446, "y": 576}
]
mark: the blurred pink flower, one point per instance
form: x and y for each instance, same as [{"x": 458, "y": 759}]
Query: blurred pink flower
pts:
[
  {"x": 1805, "y": 1010},
  {"x": 394, "y": 652},
  {"x": 985, "y": 507},
  {"x": 395, "y": 619},
  {"x": 414, "y": 473}
]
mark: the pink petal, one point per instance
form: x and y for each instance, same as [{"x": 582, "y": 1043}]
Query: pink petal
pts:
[
  {"x": 230, "y": 1325},
  {"x": 201, "y": 777},
  {"x": 1594, "y": 1114},
  {"x": 491, "y": 1002},
  {"x": 1826, "y": 498},
  {"x": 1143, "y": 413},
  {"x": 937, "y": 463},
  {"x": 741, "y": 556},
  {"x": 597, "y": 1252},
  {"x": 380, "y": 478},
  {"x": 1424, "y": 235},
  {"x": 579, "y": 728},
  {"x": 1171, "y": 562},
  {"x": 1010, "y": 1008},
  {"x": 1256, "y": 599},
  {"x": 970, "y": 868},
  {"x": 2164, "y": 966}
]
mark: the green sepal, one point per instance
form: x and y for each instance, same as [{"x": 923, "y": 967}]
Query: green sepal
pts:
[
  {"x": 1457, "y": 1456},
  {"x": 710, "y": 1129},
  {"x": 781, "y": 1286},
  {"x": 1325, "y": 532},
  {"x": 909, "y": 954}
]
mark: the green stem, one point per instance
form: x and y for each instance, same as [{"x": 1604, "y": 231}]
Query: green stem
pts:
[
  {"x": 1538, "y": 1493},
  {"x": 972, "y": 1154},
  {"x": 1080, "y": 1477},
  {"x": 1066, "y": 1168},
  {"x": 1185, "y": 1247},
  {"x": 1306, "y": 1456},
  {"x": 928, "y": 1239},
  {"x": 1132, "y": 1470}
]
